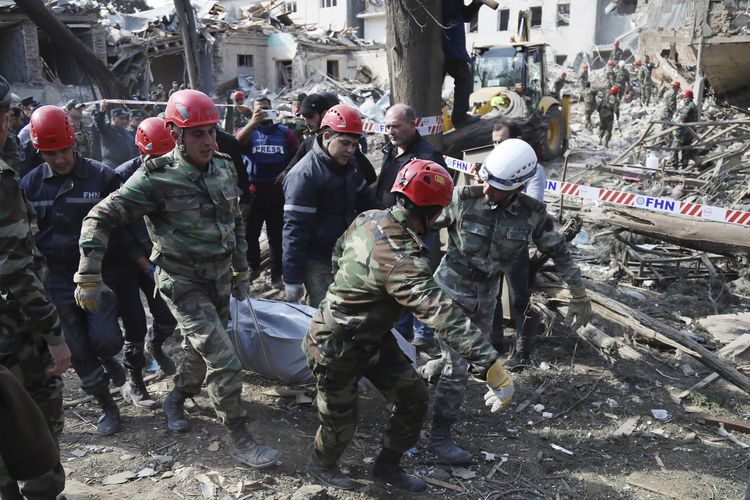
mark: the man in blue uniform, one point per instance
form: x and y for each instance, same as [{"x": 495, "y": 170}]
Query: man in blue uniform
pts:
[
  {"x": 267, "y": 148},
  {"x": 117, "y": 143},
  {"x": 63, "y": 190}
]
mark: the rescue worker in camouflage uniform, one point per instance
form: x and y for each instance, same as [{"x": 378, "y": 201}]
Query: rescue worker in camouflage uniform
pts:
[
  {"x": 189, "y": 199},
  {"x": 609, "y": 110},
  {"x": 610, "y": 73},
  {"x": 153, "y": 139},
  {"x": 583, "y": 79},
  {"x": 84, "y": 134},
  {"x": 241, "y": 110},
  {"x": 381, "y": 268},
  {"x": 622, "y": 79},
  {"x": 488, "y": 226},
  {"x": 589, "y": 103},
  {"x": 560, "y": 82},
  {"x": 682, "y": 136},
  {"x": 617, "y": 53},
  {"x": 670, "y": 102},
  {"x": 296, "y": 123},
  {"x": 644, "y": 75},
  {"x": 32, "y": 345}
]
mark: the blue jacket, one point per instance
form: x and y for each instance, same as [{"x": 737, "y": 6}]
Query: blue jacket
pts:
[
  {"x": 138, "y": 227},
  {"x": 268, "y": 153},
  {"x": 61, "y": 203},
  {"x": 321, "y": 200},
  {"x": 118, "y": 145},
  {"x": 455, "y": 15}
]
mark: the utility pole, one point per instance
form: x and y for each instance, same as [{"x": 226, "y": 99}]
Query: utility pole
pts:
[{"x": 186, "y": 16}]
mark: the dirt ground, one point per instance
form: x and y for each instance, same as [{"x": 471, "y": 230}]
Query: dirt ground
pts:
[{"x": 568, "y": 450}]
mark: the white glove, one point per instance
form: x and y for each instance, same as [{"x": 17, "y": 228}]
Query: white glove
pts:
[{"x": 294, "y": 293}]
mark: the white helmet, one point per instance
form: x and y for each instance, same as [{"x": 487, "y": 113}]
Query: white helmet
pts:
[
  {"x": 510, "y": 165},
  {"x": 621, "y": 64}
]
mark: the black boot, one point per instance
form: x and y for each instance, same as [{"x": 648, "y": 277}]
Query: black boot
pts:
[
  {"x": 329, "y": 475},
  {"x": 109, "y": 421},
  {"x": 388, "y": 470},
  {"x": 115, "y": 371},
  {"x": 442, "y": 444},
  {"x": 248, "y": 451},
  {"x": 519, "y": 361},
  {"x": 155, "y": 348},
  {"x": 10, "y": 492},
  {"x": 134, "y": 362},
  {"x": 174, "y": 409}
]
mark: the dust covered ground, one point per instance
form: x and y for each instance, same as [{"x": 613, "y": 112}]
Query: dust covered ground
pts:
[{"x": 518, "y": 453}]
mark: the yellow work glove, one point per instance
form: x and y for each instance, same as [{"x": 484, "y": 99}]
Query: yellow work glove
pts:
[
  {"x": 241, "y": 285},
  {"x": 579, "y": 309},
  {"x": 501, "y": 387},
  {"x": 90, "y": 290}
]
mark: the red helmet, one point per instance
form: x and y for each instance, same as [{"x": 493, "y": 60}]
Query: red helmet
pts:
[
  {"x": 676, "y": 84},
  {"x": 153, "y": 137},
  {"x": 425, "y": 183},
  {"x": 637, "y": 62},
  {"x": 238, "y": 95},
  {"x": 611, "y": 63},
  {"x": 563, "y": 74},
  {"x": 687, "y": 93},
  {"x": 51, "y": 130},
  {"x": 191, "y": 108},
  {"x": 343, "y": 119},
  {"x": 614, "y": 90}
]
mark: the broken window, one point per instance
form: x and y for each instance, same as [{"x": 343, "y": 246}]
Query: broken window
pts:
[
  {"x": 503, "y": 18},
  {"x": 58, "y": 63},
  {"x": 563, "y": 14},
  {"x": 327, "y": 3},
  {"x": 245, "y": 60},
  {"x": 291, "y": 6},
  {"x": 560, "y": 60},
  {"x": 536, "y": 16},
  {"x": 284, "y": 74},
  {"x": 332, "y": 68}
]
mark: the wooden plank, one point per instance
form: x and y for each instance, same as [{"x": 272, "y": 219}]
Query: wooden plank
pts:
[
  {"x": 443, "y": 484},
  {"x": 728, "y": 423},
  {"x": 729, "y": 351},
  {"x": 626, "y": 428}
]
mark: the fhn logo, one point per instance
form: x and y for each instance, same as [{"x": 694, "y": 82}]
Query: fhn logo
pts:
[{"x": 91, "y": 194}]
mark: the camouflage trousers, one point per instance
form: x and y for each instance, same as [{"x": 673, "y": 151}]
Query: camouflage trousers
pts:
[
  {"x": 318, "y": 277},
  {"x": 681, "y": 139},
  {"x": 24, "y": 352},
  {"x": 392, "y": 374},
  {"x": 589, "y": 110},
  {"x": 646, "y": 91},
  {"x": 201, "y": 308},
  {"x": 605, "y": 129},
  {"x": 450, "y": 372}
]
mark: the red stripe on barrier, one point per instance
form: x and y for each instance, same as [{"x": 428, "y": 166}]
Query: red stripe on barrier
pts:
[
  {"x": 697, "y": 210},
  {"x": 732, "y": 215},
  {"x": 743, "y": 218},
  {"x": 629, "y": 200}
]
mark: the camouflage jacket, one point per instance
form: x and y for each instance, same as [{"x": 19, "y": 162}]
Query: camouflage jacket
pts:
[
  {"x": 609, "y": 107},
  {"x": 559, "y": 84},
  {"x": 18, "y": 251},
  {"x": 85, "y": 140},
  {"x": 670, "y": 101},
  {"x": 688, "y": 112},
  {"x": 381, "y": 268},
  {"x": 484, "y": 238},
  {"x": 589, "y": 98},
  {"x": 610, "y": 74},
  {"x": 583, "y": 78},
  {"x": 622, "y": 78},
  {"x": 296, "y": 125},
  {"x": 192, "y": 217}
]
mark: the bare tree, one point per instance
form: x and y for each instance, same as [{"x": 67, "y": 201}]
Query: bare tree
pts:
[
  {"x": 415, "y": 54},
  {"x": 109, "y": 85}
]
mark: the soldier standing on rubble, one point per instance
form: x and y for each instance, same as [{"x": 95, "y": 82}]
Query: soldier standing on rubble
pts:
[
  {"x": 617, "y": 53},
  {"x": 583, "y": 78},
  {"x": 682, "y": 136},
  {"x": 189, "y": 198},
  {"x": 84, "y": 134},
  {"x": 323, "y": 194},
  {"x": 381, "y": 269},
  {"x": 559, "y": 84},
  {"x": 622, "y": 79},
  {"x": 153, "y": 139},
  {"x": 610, "y": 73},
  {"x": 609, "y": 110},
  {"x": 589, "y": 103},
  {"x": 488, "y": 227},
  {"x": 32, "y": 345},
  {"x": 670, "y": 102},
  {"x": 647, "y": 86}
]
